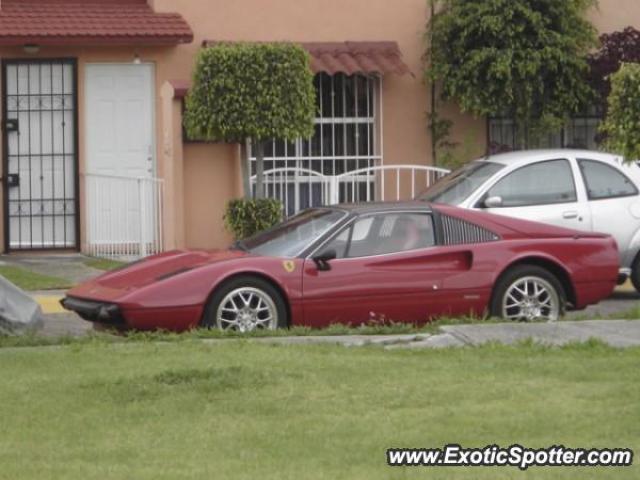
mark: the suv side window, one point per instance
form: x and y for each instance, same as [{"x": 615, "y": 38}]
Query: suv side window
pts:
[
  {"x": 383, "y": 234},
  {"x": 603, "y": 181},
  {"x": 542, "y": 183}
]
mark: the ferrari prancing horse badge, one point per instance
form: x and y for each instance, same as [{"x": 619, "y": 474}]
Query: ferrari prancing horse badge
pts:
[{"x": 289, "y": 266}]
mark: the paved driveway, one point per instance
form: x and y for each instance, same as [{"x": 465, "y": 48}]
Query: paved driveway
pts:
[{"x": 622, "y": 301}]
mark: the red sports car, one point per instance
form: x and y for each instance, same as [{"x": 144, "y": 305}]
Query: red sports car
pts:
[{"x": 353, "y": 264}]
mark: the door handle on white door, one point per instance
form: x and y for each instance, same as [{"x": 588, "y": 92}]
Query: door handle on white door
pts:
[{"x": 569, "y": 215}]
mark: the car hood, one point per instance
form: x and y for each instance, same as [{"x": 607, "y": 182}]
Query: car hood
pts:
[{"x": 149, "y": 270}]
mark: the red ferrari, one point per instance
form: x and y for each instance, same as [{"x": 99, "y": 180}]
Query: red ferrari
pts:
[{"x": 354, "y": 264}]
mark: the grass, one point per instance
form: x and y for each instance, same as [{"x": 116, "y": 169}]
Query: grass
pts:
[
  {"x": 244, "y": 411},
  {"x": 103, "y": 263},
  {"x": 28, "y": 280},
  {"x": 389, "y": 328}
]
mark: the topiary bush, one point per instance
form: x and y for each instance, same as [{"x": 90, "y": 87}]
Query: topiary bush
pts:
[
  {"x": 622, "y": 125},
  {"x": 256, "y": 91},
  {"x": 244, "y": 218}
]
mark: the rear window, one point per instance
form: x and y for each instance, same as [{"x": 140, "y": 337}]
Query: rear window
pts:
[{"x": 603, "y": 181}]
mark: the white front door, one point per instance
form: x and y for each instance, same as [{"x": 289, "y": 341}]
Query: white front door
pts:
[
  {"x": 119, "y": 120},
  {"x": 122, "y": 196}
]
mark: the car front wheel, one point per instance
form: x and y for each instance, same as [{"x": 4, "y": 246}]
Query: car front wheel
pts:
[
  {"x": 246, "y": 304},
  {"x": 528, "y": 293}
]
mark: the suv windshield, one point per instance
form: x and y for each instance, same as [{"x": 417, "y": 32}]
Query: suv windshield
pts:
[
  {"x": 290, "y": 238},
  {"x": 458, "y": 185}
]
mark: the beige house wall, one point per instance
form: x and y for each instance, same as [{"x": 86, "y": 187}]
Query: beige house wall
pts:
[{"x": 201, "y": 178}]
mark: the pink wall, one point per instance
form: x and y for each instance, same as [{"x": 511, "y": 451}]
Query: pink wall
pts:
[{"x": 211, "y": 172}]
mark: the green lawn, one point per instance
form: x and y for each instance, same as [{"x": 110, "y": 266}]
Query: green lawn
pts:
[
  {"x": 103, "y": 263},
  {"x": 28, "y": 280},
  {"x": 237, "y": 410}
]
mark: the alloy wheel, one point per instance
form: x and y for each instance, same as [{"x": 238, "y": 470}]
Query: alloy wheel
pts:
[
  {"x": 531, "y": 299},
  {"x": 247, "y": 309}
]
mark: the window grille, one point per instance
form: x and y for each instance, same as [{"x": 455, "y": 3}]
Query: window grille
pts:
[
  {"x": 580, "y": 131},
  {"x": 346, "y": 136}
]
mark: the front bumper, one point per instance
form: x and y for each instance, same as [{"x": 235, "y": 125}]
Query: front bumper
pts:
[{"x": 92, "y": 311}]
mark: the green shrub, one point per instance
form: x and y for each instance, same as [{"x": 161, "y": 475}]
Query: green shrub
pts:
[
  {"x": 622, "y": 125},
  {"x": 523, "y": 58},
  {"x": 245, "y": 218},
  {"x": 256, "y": 91}
]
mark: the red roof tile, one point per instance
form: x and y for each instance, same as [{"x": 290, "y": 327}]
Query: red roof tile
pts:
[
  {"x": 353, "y": 57},
  {"x": 356, "y": 57},
  {"x": 89, "y": 22}
]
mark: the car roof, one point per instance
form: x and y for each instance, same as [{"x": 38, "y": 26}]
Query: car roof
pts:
[
  {"x": 375, "y": 207},
  {"x": 526, "y": 156}
]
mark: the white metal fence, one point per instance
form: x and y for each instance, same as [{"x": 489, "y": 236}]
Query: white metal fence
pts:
[
  {"x": 124, "y": 216},
  {"x": 299, "y": 188}
]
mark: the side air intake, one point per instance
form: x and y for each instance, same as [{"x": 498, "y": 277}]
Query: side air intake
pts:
[{"x": 460, "y": 232}]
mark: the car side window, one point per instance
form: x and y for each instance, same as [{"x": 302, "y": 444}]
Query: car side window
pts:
[
  {"x": 603, "y": 181},
  {"x": 356, "y": 233},
  {"x": 390, "y": 233},
  {"x": 541, "y": 183}
]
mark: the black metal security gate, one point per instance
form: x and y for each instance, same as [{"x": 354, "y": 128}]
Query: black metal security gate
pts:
[{"x": 40, "y": 145}]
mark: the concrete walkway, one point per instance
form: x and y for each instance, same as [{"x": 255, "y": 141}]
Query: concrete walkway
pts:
[{"x": 616, "y": 333}]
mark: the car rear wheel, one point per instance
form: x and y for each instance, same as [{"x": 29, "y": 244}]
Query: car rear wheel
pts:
[
  {"x": 246, "y": 304},
  {"x": 528, "y": 293}
]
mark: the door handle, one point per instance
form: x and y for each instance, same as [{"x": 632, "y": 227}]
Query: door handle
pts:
[
  {"x": 13, "y": 180},
  {"x": 569, "y": 215}
]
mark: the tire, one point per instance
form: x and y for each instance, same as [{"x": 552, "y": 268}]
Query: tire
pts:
[
  {"x": 545, "y": 299},
  {"x": 635, "y": 274},
  {"x": 243, "y": 304}
]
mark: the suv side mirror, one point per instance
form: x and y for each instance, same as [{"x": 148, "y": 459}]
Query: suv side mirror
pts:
[
  {"x": 322, "y": 260},
  {"x": 492, "y": 202}
]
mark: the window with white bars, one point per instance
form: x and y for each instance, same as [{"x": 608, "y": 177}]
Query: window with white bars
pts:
[{"x": 346, "y": 139}]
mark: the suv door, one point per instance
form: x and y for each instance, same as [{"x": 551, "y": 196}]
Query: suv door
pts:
[
  {"x": 611, "y": 196},
  {"x": 544, "y": 191}
]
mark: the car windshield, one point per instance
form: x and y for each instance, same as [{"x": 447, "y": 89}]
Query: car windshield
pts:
[
  {"x": 458, "y": 185},
  {"x": 290, "y": 238}
]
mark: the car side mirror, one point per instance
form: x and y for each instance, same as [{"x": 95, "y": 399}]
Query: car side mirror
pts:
[
  {"x": 322, "y": 260},
  {"x": 492, "y": 202}
]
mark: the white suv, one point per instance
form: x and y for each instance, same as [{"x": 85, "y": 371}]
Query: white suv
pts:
[{"x": 576, "y": 189}]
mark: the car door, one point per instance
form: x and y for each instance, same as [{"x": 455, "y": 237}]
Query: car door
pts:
[
  {"x": 388, "y": 267},
  {"x": 544, "y": 191},
  {"x": 613, "y": 200}
]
